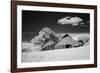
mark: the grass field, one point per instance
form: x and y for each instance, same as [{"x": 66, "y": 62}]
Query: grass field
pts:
[{"x": 79, "y": 53}]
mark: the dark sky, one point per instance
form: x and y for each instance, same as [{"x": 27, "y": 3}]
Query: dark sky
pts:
[{"x": 34, "y": 21}]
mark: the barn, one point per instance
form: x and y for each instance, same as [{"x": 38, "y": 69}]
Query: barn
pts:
[{"x": 67, "y": 42}]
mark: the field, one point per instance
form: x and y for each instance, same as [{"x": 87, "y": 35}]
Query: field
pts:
[{"x": 63, "y": 54}]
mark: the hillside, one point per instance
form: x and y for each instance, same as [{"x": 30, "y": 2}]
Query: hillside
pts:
[{"x": 79, "y": 53}]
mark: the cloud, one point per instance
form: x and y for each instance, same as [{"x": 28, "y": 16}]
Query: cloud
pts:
[{"x": 70, "y": 20}]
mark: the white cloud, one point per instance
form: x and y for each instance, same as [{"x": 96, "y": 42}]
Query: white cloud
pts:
[{"x": 70, "y": 20}]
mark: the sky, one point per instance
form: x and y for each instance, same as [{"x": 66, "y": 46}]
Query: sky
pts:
[{"x": 34, "y": 21}]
